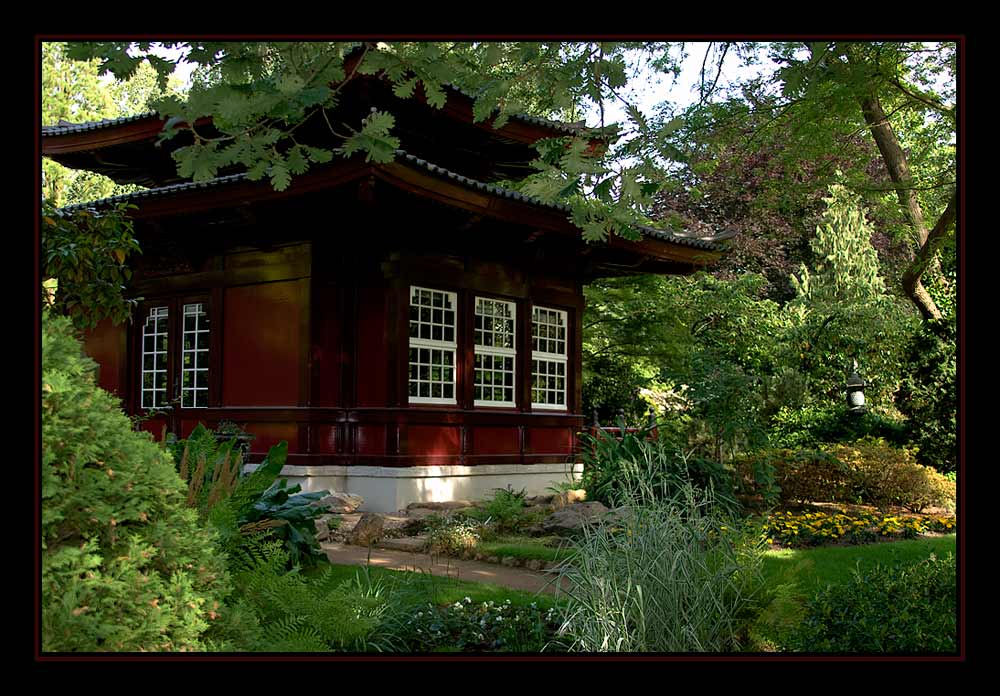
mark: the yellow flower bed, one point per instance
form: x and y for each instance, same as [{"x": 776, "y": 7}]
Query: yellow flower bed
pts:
[{"x": 813, "y": 528}]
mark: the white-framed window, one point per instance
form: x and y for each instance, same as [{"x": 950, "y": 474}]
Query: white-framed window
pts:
[
  {"x": 495, "y": 351},
  {"x": 194, "y": 356},
  {"x": 433, "y": 346},
  {"x": 154, "y": 358},
  {"x": 548, "y": 358}
]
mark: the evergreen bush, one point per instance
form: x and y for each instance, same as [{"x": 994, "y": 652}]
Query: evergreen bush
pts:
[{"x": 125, "y": 564}]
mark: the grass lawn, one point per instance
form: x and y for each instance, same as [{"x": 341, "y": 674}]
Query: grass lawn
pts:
[
  {"x": 807, "y": 571},
  {"x": 418, "y": 589},
  {"x": 524, "y": 547},
  {"x": 813, "y": 568}
]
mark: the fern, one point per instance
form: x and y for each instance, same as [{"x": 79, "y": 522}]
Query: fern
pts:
[
  {"x": 293, "y": 634},
  {"x": 305, "y": 614}
]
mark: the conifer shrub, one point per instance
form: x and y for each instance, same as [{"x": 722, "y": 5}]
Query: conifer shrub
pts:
[{"x": 125, "y": 564}]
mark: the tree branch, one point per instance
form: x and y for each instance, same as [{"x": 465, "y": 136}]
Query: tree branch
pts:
[{"x": 912, "y": 275}]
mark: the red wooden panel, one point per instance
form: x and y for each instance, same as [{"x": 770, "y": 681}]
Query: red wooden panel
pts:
[
  {"x": 155, "y": 426},
  {"x": 270, "y": 434},
  {"x": 105, "y": 344},
  {"x": 495, "y": 441},
  {"x": 326, "y": 355},
  {"x": 428, "y": 440},
  {"x": 371, "y": 356},
  {"x": 550, "y": 440},
  {"x": 326, "y": 439},
  {"x": 188, "y": 425},
  {"x": 370, "y": 439},
  {"x": 262, "y": 344}
]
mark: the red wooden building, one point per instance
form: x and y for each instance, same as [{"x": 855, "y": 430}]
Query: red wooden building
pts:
[{"x": 412, "y": 330}]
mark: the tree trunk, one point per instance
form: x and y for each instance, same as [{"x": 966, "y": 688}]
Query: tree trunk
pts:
[
  {"x": 899, "y": 172},
  {"x": 924, "y": 258}
]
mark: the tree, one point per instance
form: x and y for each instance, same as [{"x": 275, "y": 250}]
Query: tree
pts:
[
  {"x": 74, "y": 91},
  {"x": 824, "y": 94},
  {"x": 842, "y": 311},
  {"x": 258, "y": 94},
  {"x": 86, "y": 252},
  {"x": 822, "y": 97}
]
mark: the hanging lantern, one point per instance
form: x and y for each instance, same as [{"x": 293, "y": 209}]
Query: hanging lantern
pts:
[{"x": 855, "y": 391}]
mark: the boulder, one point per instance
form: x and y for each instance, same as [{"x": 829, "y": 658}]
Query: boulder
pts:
[
  {"x": 340, "y": 502},
  {"x": 442, "y": 505},
  {"x": 324, "y": 524},
  {"x": 422, "y": 513},
  {"x": 571, "y": 519},
  {"x": 568, "y": 498},
  {"x": 368, "y": 530},
  {"x": 537, "y": 500}
]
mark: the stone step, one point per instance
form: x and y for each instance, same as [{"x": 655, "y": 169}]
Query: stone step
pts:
[{"x": 414, "y": 544}]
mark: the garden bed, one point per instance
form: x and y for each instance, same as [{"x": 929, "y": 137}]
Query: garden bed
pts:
[{"x": 841, "y": 524}]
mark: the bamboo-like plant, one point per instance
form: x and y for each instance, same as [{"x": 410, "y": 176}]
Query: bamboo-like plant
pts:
[{"x": 670, "y": 574}]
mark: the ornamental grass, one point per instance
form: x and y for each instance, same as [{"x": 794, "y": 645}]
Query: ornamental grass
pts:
[{"x": 815, "y": 528}]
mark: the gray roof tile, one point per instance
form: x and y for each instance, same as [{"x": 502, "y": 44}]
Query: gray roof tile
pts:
[{"x": 712, "y": 243}]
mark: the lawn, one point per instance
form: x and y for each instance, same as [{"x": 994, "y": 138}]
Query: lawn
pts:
[
  {"x": 813, "y": 568},
  {"x": 420, "y": 588},
  {"x": 525, "y": 547},
  {"x": 799, "y": 574}
]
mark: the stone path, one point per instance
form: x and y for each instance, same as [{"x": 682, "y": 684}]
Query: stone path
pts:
[{"x": 475, "y": 571}]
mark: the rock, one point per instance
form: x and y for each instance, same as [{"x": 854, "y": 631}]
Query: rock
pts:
[
  {"x": 395, "y": 522},
  {"x": 508, "y": 561},
  {"x": 415, "y": 544},
  {"x": 539, "y": 500},
  {"x": 538, "y": 510},
  {"x": 421, "y": 513},
  {"x": 443, "y": 505},
  {"x": 568, "y": 498},
  {"x": 534, "y": 564},
  {"x": 492, "y": 559},
  {"x": 368, "y": 530},
  {"x": 325, "y": 524},
  {"x": 340, "y": 502},
  {"x": 571, "y": 519}
]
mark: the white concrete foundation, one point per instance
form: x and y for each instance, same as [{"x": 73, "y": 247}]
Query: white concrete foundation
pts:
[{"x": 388, "y": 489}]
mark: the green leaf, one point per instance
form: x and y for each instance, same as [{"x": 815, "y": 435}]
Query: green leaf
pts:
[
  {"x": 297, "y": 163},
  {"x": 671, "y": 126},
  {"x": 317, "y": 154},
  {"x": 280, "y": 178},
  {"x": 405, "y": 90},
  {"x": 435, "y": 95}
]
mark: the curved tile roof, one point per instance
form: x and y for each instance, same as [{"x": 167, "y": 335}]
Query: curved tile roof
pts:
[
  {"x": 708, "y": 243},
  {"x": 65, "y": 127}
]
